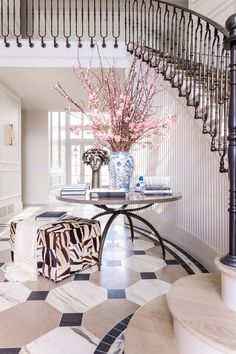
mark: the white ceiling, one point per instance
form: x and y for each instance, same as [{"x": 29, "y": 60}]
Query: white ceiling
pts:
[{"x": 35, "y": 86}]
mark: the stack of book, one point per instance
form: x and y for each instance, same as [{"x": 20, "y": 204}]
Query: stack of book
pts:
[
  {"x": 75, "y": 189},
  {"x": 158, "y": 190},
  {"x": 51, "y": 215}
]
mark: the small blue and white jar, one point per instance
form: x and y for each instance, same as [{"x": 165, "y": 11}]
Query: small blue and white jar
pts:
[{"x": 121, "y": 166}]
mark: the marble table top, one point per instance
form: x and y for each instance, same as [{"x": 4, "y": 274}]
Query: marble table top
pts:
[{"x": 130, "y": 198}]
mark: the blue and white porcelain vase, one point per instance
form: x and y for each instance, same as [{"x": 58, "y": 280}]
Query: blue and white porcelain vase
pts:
[{"x": 121, "y": 167}]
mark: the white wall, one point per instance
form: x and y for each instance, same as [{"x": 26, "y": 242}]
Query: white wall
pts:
[
  {"x": 35, "y": 157},
  {"x": 193, "y": 171},
  {"x": 10, "y": 156},
  {"x": 217, "y": 10}
]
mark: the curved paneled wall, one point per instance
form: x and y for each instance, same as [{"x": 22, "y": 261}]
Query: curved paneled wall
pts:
[{"x": 193, "y": 170}]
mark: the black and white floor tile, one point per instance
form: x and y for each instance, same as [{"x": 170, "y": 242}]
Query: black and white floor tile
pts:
[{"x": 88, "y": 312}]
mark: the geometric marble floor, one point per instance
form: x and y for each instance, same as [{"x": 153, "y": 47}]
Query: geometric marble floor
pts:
[{"x": 88, "y": 312}]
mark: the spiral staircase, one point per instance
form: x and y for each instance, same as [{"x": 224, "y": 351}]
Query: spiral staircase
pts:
[{"x": 198, "y": 58}]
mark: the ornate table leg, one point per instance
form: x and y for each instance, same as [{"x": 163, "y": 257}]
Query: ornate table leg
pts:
[
  {"x": 129, "y": 214},
  {"x": 104, "y": 235},
  {"x": 131, "y": 227},
  {"x": 156, "y": 233}
]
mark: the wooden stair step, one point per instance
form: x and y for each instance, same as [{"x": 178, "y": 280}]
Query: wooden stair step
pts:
[
  {"x": 150, "y": 330},
  {"x": 201, "y": 316}
]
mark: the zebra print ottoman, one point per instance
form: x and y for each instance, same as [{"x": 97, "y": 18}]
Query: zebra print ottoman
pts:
[{"x": 65, "y": 246}]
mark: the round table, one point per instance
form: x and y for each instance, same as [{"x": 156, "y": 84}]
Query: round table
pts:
[{"x": 133, "y": 201}]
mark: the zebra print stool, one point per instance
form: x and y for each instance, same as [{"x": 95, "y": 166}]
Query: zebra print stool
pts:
[{"x": 64, "y": 247}]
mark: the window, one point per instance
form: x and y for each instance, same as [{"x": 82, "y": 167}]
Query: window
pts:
[
  {"x": 81, "y": 140},
  {"x": 68, "y": 141}
]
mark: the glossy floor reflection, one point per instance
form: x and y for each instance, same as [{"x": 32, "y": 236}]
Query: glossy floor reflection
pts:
[{"x": 88, "y": 312}]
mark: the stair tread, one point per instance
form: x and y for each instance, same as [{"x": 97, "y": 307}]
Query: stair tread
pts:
[
  {"x": 150, "y": 330},
  {"x": 195, "y": 302}
]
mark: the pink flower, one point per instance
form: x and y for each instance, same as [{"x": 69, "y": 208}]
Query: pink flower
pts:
[
  {"x": 120, "y": 111},
  {"x": 76, "y": 129}
]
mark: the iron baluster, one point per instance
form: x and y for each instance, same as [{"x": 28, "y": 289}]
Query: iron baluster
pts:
[
  {"x": 29, "y": 22},
  {"x": 135, "y": 43},
  {"x": 196, "y": 65},
  {"x": 128, "y": 32},
  {"x": 26, "y": 19},
  {"x": 139, "y": 53},
  {"x": 77, "y": 23},
  {"x": 190, "y": 72},
  {"x": 175, "y": 51},
  {"x": 171, "y": 56},
  {"x": 215, "y": 122},
  {"x": 104, "y": 36},
  {"x": 91, "y": 35},
  {"x": 125, "y": 23},
  {"x": 197, "y": 98},
  {"x": 17, "y": 35},
  {"x": 164, "y": 40},
  {"x": 167, "y": 50},
  {"x": 5, "y": 33},
  {"x": 138, "y": 46},
  {"x": 54, "y": 25},
  {"x": 149, "y": 48},
  {"x": 116, "y": 35},
  {"x": 205, "y": 82},
  {"x": 32, "y": 24},
  {"x": 181, "y": 24},
  {"x": 208, "y": 84},
  {"x": 144, "y": 46},
  {"x": 188, "y": 34},
  {"x": 42, "y": 34},
  {"x": 156, "y": 48},
  {"x": 152, "y": 9},
  {"x": 67, "y": 22},
  {"x": 159, "y": 50},
  {"x": 183, "y": 61},
  {"x": 132, "y": 35},
  {"x": 143, "y": 31}
]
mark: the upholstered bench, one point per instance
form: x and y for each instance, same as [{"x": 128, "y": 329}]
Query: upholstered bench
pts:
[{"x": 64, "y": 247}]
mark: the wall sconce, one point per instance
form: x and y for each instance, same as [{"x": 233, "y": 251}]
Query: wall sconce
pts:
[{"x": 11, "y": 134}]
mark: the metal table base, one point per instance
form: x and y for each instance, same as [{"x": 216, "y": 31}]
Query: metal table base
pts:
[{"x": 129, "y": 213}]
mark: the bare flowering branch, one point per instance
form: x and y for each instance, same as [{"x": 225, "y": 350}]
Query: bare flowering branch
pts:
[{"x": 119, "y": 109}]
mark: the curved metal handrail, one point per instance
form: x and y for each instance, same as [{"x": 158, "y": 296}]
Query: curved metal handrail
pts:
[{"x": 202, "y": 17}]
